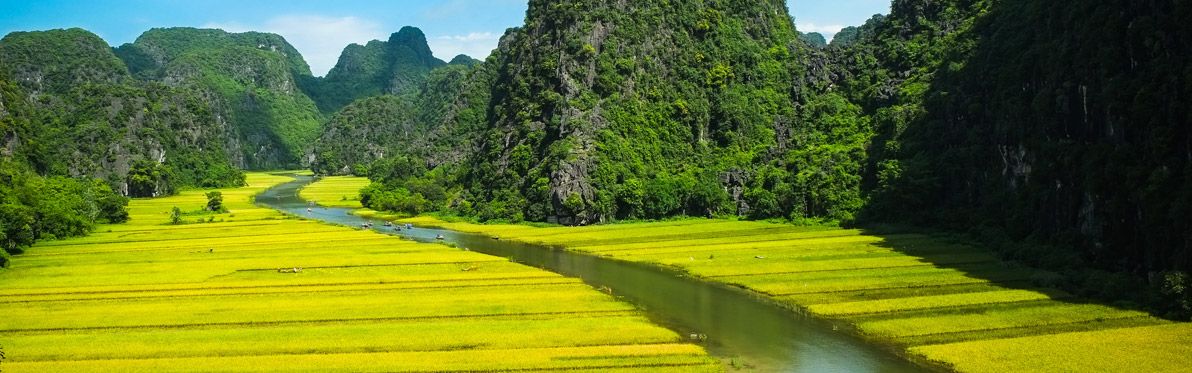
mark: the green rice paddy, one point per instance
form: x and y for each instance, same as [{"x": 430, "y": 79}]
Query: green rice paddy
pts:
[
  {"x": 335, "y": 191},
  {"x": 254, "y": 290}
]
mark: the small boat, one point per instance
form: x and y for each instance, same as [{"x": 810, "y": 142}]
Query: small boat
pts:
[
  {"x": 388, "y": 224},
  {"x": 439, "y": 237},
  {"x": 308, "y": 209}
]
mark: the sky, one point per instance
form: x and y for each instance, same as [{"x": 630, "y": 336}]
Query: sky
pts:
[{"x": 321, "y": 29}]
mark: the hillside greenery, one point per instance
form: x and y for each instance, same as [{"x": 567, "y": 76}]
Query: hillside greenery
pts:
[
  {"x": 75, "y": 111},
  {"x": 591, "y": 113},
  {"x": 1058, "y": 140},
  {"x": 398, "y": 66},
  {"x": 250, "y": 80}
]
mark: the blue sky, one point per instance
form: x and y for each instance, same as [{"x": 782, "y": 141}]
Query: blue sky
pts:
[{"x": 321, "y": 29}]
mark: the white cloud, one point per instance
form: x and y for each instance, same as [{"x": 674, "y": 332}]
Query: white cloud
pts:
[
  {"x": 477, "y": 45},
  {"x": 828, "y": 31},
  {"x": 320, "y": 39}
]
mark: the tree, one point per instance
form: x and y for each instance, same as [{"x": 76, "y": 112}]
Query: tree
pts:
[
  {"x": 143, "y": 178},
  {"x": 574, "y": 204},
  {"x": 176, "y": 216},
  {"x": 110, "y": 206},
  {"x": 215, "y": 201}
]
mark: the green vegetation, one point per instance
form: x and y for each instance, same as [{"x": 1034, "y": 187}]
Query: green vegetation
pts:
[
  {"x": 34, "y": 208},
  {"x": 813, "y": 39},
  {"x": 663, "y": 115},
  {"x": 1024, "y": 125},
  {"x": 78, "y": 112},
  {"x": 336, "y": 191},
  {"x": 361, "y": 133},
  {"x": 250, "y": 78},
  {"x": 259, "y": 291},
  {"x": 1020, "y": 123},
  {"x": 1075, "y": 352},
  {"x": 936, "y": 298},
  {"x": 396, "y": 67}
]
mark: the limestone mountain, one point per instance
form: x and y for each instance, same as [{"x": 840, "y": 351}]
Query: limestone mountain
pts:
[
  {"x": 368, "y": 129},
  {"x": 397, "y": 66},
  {"x": 641, "y": 109},
  {"x": 251, "y": 81},
  {"x": 72, "y": 108}
]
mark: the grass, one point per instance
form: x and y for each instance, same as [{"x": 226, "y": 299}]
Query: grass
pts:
[
  {"x": 335, "y": 191},
  {"x": 621, "y": 358},
  {"x": 930, "y": 302},
  {"x": 1143, "y": 349},
  {"x": 153, "y": 296}
]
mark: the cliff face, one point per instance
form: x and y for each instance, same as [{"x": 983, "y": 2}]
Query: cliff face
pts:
[
  {"x": 601, "y": 100},
  {"x": 78, "y": 112},
  {"x": 251, "y": 81}
]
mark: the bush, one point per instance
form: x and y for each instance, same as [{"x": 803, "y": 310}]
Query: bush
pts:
[{"x": 215, "y": 201}]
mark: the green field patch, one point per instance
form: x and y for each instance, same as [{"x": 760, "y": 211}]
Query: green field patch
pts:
[
  {"x": 833, "y": 251},
  {"x": 879, "y": 294},
  {"x": 750, "y": 266},
  {"x": 646, "y": 357},
  {"x": 164, "y": 243},
  {"x": 607, "y": 235},
  {"x": 933, "y": 302},
  {"x": 666, "y": 237},
  {"x": 1075, "y": 327},
  {"x": 992, "y": 318},
  {"x": 193, "y": 231},
  {"x": 414, "y": 273},
  {"x": 335, "y": 191},
  {"x": 65, "y": 315},
  {"x": 291, "y": 289},
  {"x": 186, "y": 267},
  {"x": 756, "y": 237},
  {"x": 873, "y": 279},
  {"x": 441, "y": 335},
  {"x": 1160, "y": 348}
]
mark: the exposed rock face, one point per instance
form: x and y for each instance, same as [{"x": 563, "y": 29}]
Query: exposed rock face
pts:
[
  {"x": 251, "y": 79},
  {"x": 83, "y": 114},
  {"x": 595, "y": 93}
]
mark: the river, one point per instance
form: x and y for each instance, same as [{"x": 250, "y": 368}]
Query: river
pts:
[{"x": 740, "y": 328}]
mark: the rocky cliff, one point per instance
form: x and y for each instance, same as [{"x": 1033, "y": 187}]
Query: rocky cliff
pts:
[
  {"x": 78, "y": 112},
  {"x": 251, "y": 81}
]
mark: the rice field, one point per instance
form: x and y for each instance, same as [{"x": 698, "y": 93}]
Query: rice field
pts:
[
  {"x": 254, "y": 290},
  {"x": 335, "y": 191},
  {"x": 945, "y": 303}
]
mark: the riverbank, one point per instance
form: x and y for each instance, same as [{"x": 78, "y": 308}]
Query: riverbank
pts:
[
  {"x": 940, "y": 302},
  {"x": 258, "y": 290}
]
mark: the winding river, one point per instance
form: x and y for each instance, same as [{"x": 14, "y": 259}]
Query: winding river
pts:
[{"x": 739, "y": 327}]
